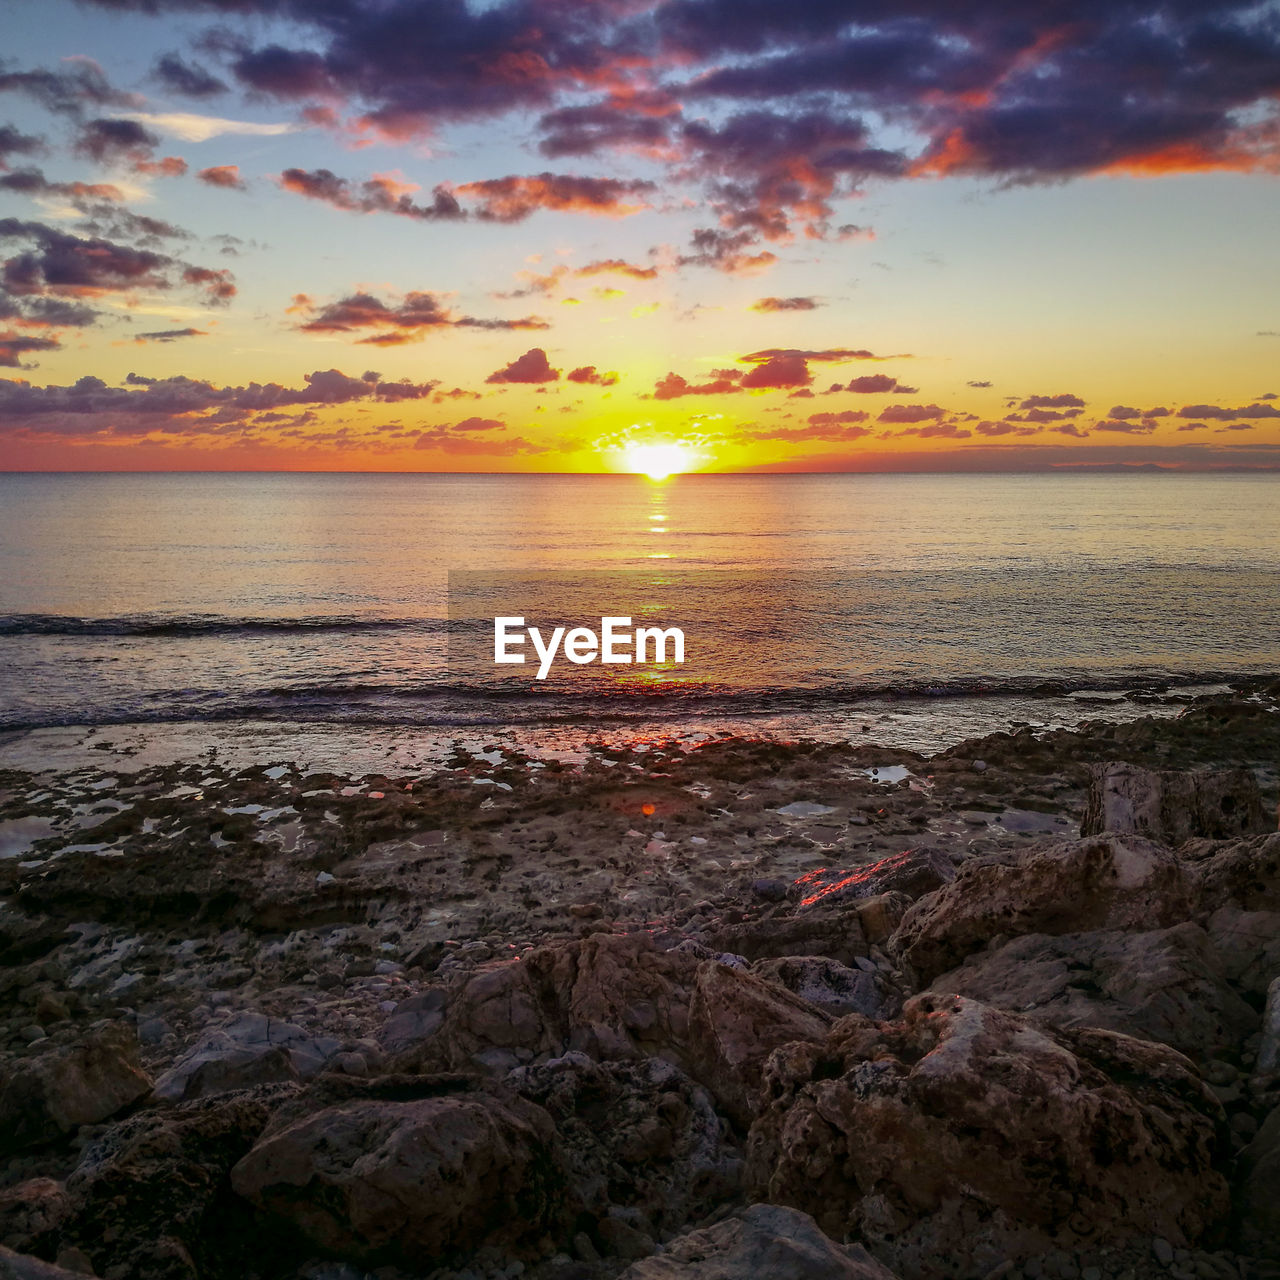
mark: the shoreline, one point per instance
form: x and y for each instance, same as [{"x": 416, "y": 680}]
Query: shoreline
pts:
[{"x": 273, "y": 939}]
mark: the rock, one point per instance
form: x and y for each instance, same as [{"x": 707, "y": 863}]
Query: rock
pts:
[
  {"x": 32, "y": 1214},
  {"x": 1248, "y": 944},
  {"x": 413, "y": 1020},
  {"x": 836, "y": 934},
  {"x": 913, "y": 872},
  {"x": 1170, "y": 806},
  {"x": 961, "y": 1136},
  {"x": 1166, "y": 985},
  {"x": 44, "y": 1097},
  {"x": 1052, "y": 887},
  {"x": 735, "y": 1021},
  {"x": 763, "y": 1242},
  {"x": 151, "y": 1196},
  {"x": 1257, "y": 1200},
  {"x": 251, "y": 1049},
  {"x": 771, "y": 890},
  {"x": 21, "y": 1266},
  {"x": 880, "y": 915},
  {"x": 831, "y": 986},
  {"x": 409, "y": 1183},
  {"x": 636, "y": 1136},
  {"x": 1269, "y": 1048},
  {"x": 1241, "y": 873},
  {"x": 612, "y": 997}
]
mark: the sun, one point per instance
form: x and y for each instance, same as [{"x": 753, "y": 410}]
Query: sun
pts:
[{"x": 658, "y": 461}]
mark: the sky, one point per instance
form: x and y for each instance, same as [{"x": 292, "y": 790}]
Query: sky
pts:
[{"x": 599, "y": 235}]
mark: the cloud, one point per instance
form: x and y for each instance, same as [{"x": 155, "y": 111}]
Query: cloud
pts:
[
  {"x": 1037, "y": 95},
  {"x": 222, "y": 175},
  {"x": 81, "y": 83},
  {"x": 13, "y": 142},
  {"x": 1125, "y": 412},
  {"x": 587, "y": 375},
  {"x": 107, "y": 141},
  {"x": 170, "y": 335},
  {"x": 532, "y": 367},
  {"x": 63, "y": 265},
  {"x": 910, "y": 412},
  {"x": 383, "y": 193},
  {"x": 784, "y": 304},
  {"x": 878, "y": 383},
  {"x": 180, "y": 405},
  {"x": 978, "y": 384},
  {"x": 1215, "y": 411},
  {"x": 617, "y": 266},
  {"x": 1003, "y": 429},
  {"x": 197, "y": 128},
  {"x": 1118, "y": 427},
  {"x": 179, "y": 76},
  {"x": 726, "y": 251},
  {"x": 934, "y": 430},
  {"x": 513, "y": 199},
  {"x": 408, "y": 320},
  {"x": 1065, "y": 400},
  {"x": 13, "y": 346}
]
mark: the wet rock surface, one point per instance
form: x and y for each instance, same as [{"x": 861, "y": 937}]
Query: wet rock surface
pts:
[{"x": 568, "y": 1020}]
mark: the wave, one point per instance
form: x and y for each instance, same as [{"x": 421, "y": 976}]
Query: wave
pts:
[
  {"x": 444, "y": 705},
  {"x": 199, "y": 624}
]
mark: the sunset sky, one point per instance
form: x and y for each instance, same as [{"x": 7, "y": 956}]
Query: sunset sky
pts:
[{"x": 530, "y": 235}]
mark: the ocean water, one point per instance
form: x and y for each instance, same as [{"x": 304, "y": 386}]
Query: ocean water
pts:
[{"x": 812, "y": 603}]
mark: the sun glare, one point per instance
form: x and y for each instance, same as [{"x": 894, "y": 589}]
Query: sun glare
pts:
[{"x": 658, "y": 461}]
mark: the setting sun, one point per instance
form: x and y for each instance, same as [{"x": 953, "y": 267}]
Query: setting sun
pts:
[{"x": 658, "y": 461}]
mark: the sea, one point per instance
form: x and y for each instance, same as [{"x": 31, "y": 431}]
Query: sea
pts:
[{"x": 912, "y": 610}]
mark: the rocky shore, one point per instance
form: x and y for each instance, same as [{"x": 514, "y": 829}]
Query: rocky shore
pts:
[{"x": 786, "y": 1011}]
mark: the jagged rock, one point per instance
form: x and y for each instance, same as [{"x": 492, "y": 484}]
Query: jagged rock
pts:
[
  {"x": 1054, "y": 887},
  {"x": 763, "y": 1242},
  {"x": 836, "y": 934},
  {"x": 152, "y": 1194},
  {"x": 32, "y": 1213},
  {"x": 1258, "y": 1191},
  {"x": 47, "y": 1096},
  {"x": 1242, "y": 873},
  {"x": 1248, "y": 944},
  {"x": 1170, "y": 806},
  {"x": 410, "y": 1182},
  {"x": 21, "y": 1266},
  {"x": 880, "y": 915},
  {"x": 617, "y": 998},
  {"x": 250, "y": 1050},
  {"x": 735, "y": 1021},
  {"x": 1166, "y": 985},
  {"x": 831, "y": 986},
  {"x": 1269, "y": 1047},
  {"x": 413, "y": 1020},
  {"x": 639, "y": 1137},
  {"x": 961, "y": 1136},
  {"x": 914, "y": 872}
]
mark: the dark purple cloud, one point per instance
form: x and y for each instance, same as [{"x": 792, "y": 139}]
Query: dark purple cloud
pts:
[
  {"x": 1216, "y": 411},
  {"x": 181, "y": 405},
  {"x": 13, "y": 142},
  {"x": 179, "y": 76},
  {"x": 390, "y": 325},
  {"x": 78, "y": 85},
  {"x": 910, "y": 412},
  {"x": 59, "y": 264},
  {"x": 532, "y": 367},
  {"x": 14, "y": 346},
  {"x": 380, "y": 194},
  {"x": 171, "y": 335}
]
